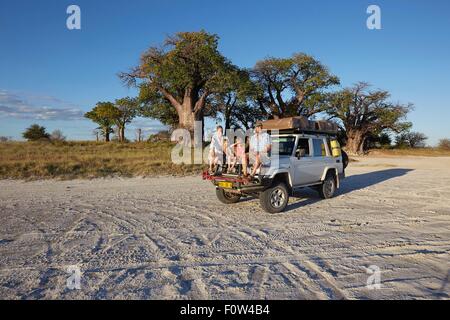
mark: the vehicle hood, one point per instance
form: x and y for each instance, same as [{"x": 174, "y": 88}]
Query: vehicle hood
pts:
[{"x": 282, "y": 163}]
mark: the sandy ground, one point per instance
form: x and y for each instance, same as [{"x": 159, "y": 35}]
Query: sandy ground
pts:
[{"x": 169, "y": 238}]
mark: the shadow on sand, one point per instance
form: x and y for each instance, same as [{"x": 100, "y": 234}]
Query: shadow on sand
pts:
[{"x": 352, "y": 183}]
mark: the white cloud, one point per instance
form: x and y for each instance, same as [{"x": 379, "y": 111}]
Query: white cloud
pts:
[{"x": 19, "y": 106}]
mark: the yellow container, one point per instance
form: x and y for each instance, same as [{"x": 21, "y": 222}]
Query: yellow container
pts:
[{"x": 335, "y": 148}]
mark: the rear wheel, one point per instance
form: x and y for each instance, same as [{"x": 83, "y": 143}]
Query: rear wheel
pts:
[
  {"x": 227, "y": 197},
  {"x": 328, "y": 187},
  {"x": 275, "y": 198}
]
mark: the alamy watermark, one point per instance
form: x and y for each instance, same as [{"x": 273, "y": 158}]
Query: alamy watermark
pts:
[
  {"x": 73, "y": 282},
  {"x": 73, "y": 22},
  {"x": 374, "y": 280},
  {"x": 374, "y": 20},
  {"x": 191, "y": 149}
]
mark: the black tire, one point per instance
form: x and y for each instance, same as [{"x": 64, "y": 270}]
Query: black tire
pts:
[
  {"x": 328, "y": 187},
  {"x": 345, "y": 159},
  {"x": 227, "y": 197},
  {"x": 275, "y": 198}
]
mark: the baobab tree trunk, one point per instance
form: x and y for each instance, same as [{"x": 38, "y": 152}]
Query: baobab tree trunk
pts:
[
  {"x": 355, "y": 142},
  {"x": 107, "y": 136},
  {"x": 187, "y": 119},
  {"x": 190, "y": 110}
]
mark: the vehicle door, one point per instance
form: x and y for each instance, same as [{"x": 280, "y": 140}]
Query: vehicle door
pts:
[
  {"x": 321, "y": 158},
  {"x": 302, "y": 162}
]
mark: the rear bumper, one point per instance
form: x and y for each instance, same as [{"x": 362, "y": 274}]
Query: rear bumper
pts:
[{"x": 239, "y": 184}]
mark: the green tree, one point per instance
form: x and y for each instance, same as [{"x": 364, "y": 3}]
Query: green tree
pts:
[
  {"x": 235, "y": 99},
  {"x": 292, "y": 86},
  {"x": 410, "y": 140},
  {"x": 36, "y": 132},
  {"x": 181, "y": 75},
  {"x": 382, "y": 140},
  {"x": 128, "y": 109},
  {"x": 364, "y": 113},
  {"x": 105, "y": 115},
  {"x": 245, "y": 116}
]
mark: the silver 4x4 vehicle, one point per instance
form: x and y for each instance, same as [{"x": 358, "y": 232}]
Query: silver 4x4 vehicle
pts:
[{"x": 305, "y": 160}]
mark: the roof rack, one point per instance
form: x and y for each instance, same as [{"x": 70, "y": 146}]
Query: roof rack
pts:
[
  {"x": 300, "y": 124},
  {"x": 302, "y": 131}
]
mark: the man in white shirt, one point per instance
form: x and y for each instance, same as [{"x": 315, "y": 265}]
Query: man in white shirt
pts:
[
  {"x": 260, "y": 145},
  {"x": 216, "y": 148}
]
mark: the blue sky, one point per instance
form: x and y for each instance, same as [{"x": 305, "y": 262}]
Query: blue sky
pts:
[{"x": 51, "y": 75}]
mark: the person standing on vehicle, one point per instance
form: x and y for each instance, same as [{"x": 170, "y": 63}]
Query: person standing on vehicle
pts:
[
  {"x": 260, "y": 145},
  {"x": 216, "y": 148}
]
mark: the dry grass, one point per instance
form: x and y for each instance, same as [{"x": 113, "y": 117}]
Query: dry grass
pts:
[
  {"x": 69, "y": 160},
  {"x": 418, "y": 152}
]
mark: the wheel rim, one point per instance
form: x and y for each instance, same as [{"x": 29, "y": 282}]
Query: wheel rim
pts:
[
  {"x": 328, "y": 187},
  {"x": 277, "y": 198}
]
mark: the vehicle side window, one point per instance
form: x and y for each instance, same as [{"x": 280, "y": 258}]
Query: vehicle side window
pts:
[
  {"x": 319, "y": 148},
  {"x": 303, "y": 147}
]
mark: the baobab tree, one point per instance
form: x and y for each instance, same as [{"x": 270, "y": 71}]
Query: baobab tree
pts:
[
  {"x": 177, "y": 79},
  {"x": 292, "y": 86},
  {"x": 364, "y": 113}
]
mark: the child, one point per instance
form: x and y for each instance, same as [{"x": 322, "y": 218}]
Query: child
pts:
[
  {"x": 229, "y": 154},
  {"x": 239, "y": 155}
]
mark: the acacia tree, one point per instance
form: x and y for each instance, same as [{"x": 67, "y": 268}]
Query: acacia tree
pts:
[
  {"x": 364, "y": 113},
  {"x": 105, "y": 115},
  {"x": 35, "y": 133},
  {"x": 178, "y": 78},
  {"x": 292, "y": 86},
  {"x": 128, "y": 109},
  {"x": 410, "y": 140}
]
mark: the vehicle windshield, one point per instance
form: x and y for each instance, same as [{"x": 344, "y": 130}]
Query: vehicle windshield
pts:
[{"x": 285, "y": 145}]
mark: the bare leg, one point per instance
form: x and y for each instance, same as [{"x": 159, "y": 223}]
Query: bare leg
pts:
[
  {"x": 244, "y": 165},
  {"x": 233, "y": 164},
  {"x": 257, "y": 164},
  {"x": 212, "y": 159}
]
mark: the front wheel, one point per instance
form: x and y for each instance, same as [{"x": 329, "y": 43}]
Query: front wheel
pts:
[
  {"x": 275, "y": 198},
  {"x": 345, "y": 159},
  {"x": 227, "y": 197},
  {"x": 328, "y": 187}
]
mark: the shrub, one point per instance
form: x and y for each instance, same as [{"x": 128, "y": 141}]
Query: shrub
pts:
[
  {"x": 57, "y": 135},
  {"x": 444, "y": 144},
  {"x": 35, "y": 133},
  {"x": 160, "y": 136}
]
